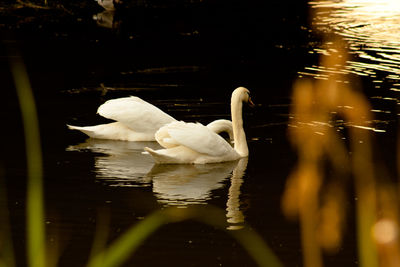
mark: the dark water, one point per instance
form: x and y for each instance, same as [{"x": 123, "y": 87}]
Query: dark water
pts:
[{"x": 185, "y": 58}]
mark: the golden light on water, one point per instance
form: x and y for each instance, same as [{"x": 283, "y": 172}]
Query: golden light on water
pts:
[
  {"x": 370, "y": 29},
  {"x": 373, "y": 23}
]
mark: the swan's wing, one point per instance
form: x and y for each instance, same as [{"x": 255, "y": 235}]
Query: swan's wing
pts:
[
  {"x": 135, "y": 113},
  {"x": 196, "y": 137}
]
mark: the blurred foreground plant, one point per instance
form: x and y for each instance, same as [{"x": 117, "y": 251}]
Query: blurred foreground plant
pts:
[
  {"x": 315, "y": 191},
  {"x": 122, "y": 248},
  {"x": 35, "y": 205}
]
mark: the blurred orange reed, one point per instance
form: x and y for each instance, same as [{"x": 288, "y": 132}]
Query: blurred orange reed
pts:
[{"x": 317, "y": 198}]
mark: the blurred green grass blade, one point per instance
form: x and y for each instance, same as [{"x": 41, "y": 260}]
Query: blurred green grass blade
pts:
[
  {"x": 102, "y": 230},
  {"x": 257, "y": 248},
  {"x": 366, "y": 247},
  {"x": 35, "y": 213},
  {"x": 247, "y": 238},
  {"x": 121, "y": 249},
  {"x": 366, "y": 205}
]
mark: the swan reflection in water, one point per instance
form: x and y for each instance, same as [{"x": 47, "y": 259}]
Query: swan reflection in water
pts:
[
  {"x": 105, "y": 19},
  {"x": 119, "y": 163},
  {"x": 122, "y": 163}
]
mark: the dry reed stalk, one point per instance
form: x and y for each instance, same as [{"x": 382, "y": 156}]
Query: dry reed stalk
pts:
[{"x": 316, "y": 104}]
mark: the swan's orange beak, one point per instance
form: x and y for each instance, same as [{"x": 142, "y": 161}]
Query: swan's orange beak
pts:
[{"x": 251, "y": 104}]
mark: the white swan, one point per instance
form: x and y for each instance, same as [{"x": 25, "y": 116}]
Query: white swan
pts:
[
  {"x": 196, "y": 143},
  {"x": 136, "y": 120}
]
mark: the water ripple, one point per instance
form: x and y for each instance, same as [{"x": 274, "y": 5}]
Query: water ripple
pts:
[
  {"x": 371, "y": 31},
  {"x": 370, "y": 28}
]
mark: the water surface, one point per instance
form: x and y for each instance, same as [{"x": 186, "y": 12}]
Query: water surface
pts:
[{"x": 187, "y": 64}]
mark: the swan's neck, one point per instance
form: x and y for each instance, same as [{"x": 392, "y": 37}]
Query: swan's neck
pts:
[
  {"x": 239, "y": 136},
  {"x": 220, "y": 126}
]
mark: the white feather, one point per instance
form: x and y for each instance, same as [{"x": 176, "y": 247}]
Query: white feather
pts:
[
  {"x": 198, "y": 138},
  {"x": 135, "y": 113}
]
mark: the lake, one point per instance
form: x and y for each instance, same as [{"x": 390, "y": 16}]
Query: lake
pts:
[{"x": 185, "y": 57}]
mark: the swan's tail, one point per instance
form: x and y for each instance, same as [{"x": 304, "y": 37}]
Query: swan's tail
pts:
[
  {"x": 158, "y": 156},
  {"x": 72, "y": 127},
  {"x": 88, "y": 130},
  {"x": 113, "y": 131}
]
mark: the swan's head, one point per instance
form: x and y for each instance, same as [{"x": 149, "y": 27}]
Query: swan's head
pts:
[{"x": 243, "y": 95}]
